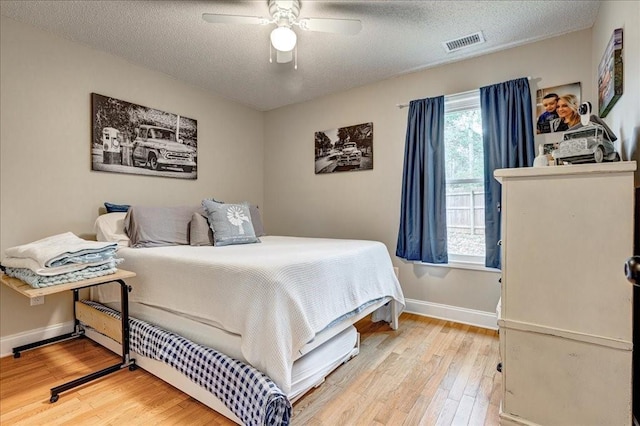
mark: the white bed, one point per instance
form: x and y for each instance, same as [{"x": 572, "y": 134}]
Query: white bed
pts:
[{"x": 285, "y": 306}]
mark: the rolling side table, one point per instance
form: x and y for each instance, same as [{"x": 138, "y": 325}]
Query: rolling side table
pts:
[{"x": 81, "y": 312}]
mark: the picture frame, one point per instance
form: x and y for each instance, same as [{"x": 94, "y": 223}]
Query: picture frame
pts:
[
  {"x": 344, "y": 149},
  {"x": 544, "y": 117},
  {"x": 610, "y": 74},
  {"x": 134, "y": 139}
]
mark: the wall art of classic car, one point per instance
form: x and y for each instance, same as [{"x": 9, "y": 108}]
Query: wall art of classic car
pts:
[{"x": 133, "y": 139}]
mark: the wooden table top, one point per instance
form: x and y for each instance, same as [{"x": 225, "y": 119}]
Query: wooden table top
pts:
[{"x": 25, "y": 289}]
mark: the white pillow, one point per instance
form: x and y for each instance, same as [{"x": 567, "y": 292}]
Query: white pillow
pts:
[{"x": 110, "y": 228}]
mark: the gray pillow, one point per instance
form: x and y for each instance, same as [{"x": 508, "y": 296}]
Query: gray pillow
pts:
[
  {"x": 200, "y": 233},
  {"x": 231, "y": 223},
  {"x": 256, "y": 219},
  {"x": 149, "y": 226}
]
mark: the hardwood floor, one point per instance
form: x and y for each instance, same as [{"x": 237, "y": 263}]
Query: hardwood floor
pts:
[{"x": 429, "y": 372}]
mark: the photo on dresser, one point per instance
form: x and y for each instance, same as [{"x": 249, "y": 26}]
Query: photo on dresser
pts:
[
  {"x": 134, "y": 139},
  {"x": 344, "y": 149},
  {"x": 554, "y": 105}
]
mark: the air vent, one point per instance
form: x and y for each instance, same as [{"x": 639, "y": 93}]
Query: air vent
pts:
[{"x": 463, "y": 42}]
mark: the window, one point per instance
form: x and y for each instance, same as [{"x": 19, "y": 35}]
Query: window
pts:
[{"x": 464, "y": 169}]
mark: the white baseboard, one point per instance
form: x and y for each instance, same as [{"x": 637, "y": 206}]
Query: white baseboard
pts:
[
  {"x": 7, "y": 343},
  {"x": 509, "y": 420},
  {"x": 452, "y": 313}
]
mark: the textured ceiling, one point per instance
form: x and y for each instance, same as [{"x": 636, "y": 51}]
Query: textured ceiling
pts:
[{"x": 232, "y": 61}]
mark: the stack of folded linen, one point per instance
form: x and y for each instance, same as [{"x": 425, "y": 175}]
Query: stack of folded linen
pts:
[{"x": 60, "y": 259}]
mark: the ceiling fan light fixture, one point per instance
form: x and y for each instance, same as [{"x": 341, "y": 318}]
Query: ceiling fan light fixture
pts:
[{"x": 283, "y": 39}]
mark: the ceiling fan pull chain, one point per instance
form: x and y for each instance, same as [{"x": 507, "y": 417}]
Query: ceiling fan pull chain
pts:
[
  {"x": 295, "y": 58},
  {"x": 270, "y": 53}
]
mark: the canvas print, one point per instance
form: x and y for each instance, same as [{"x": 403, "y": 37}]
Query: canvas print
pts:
[
  {"x": 130, "y": 138},
  {"x": 344, "y": 149},
  {"x": 610, "y": 74},
  {"x": 548, "y": 118}
]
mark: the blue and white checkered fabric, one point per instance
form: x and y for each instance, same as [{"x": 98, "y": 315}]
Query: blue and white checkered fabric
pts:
[{"x": 247, "y": 392}]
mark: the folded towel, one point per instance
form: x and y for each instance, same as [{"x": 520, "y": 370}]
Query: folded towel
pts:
[
  {"x": 32, "y": 265},
  {"x": 39, "y": 281},
  {"x": 62, "y": 249}
]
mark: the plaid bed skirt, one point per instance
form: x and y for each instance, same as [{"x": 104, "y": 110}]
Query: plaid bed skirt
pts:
[{"x": 247, "y": 392}]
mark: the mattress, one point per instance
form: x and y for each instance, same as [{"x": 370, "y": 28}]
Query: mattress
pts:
[
  {"x": 307, "y": 371},
  {"x": 275, "y": 296}
]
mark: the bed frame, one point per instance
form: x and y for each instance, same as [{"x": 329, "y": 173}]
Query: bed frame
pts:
[{"x": 98, "y": 323}]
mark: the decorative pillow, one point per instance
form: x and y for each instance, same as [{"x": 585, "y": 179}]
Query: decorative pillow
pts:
[
  {"x": 230, "y": 223},
  {"x": 110, "y": 228},
  {"x": 158, "y": 226},
  {"x": 214, "y": 200},
  {"x": 256, "y": 219},
  {"x": 200, "y": 233},
  {"x": 116, "y": 208}
]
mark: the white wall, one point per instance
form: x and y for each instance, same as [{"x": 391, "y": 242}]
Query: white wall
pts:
[
  {"x": 47, "y": 186},
  {"x": 366, "y": 204},
  {"x": 46, "y": 182},
  {"x": 624, "y": 117}
]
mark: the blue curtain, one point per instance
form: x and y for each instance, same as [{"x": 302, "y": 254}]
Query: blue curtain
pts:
[
  {"x": 507, "y": 127},
  {"x": 423, "y": 216}
]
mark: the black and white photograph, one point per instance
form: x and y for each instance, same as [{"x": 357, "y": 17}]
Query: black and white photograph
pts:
[
  {"x": 134, "y": 139},
  {"x": 344, "y": 149}
]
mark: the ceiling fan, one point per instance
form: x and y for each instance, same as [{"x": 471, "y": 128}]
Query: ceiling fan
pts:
[{"x": 285, "y": 14}]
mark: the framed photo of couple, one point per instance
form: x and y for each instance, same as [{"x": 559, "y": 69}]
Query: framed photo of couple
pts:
[{"x": 547, "y": 100}]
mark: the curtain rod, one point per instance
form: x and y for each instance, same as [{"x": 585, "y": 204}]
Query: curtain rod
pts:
[{"x": 454, "y": 94}]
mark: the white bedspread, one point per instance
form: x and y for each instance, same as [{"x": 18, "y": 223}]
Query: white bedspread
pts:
[{"x": 276, "y": 294}]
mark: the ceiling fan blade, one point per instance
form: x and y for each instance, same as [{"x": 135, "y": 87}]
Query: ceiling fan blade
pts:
[
  {"x": 214, "y": 18},
  {"x": 327, "y": 25}
]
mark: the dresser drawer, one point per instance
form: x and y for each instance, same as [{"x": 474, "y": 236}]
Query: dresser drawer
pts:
[{"x": 542, "y": 374}]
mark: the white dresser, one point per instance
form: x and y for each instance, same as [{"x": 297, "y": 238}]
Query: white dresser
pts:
[{"x": 566, "y": 318}]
